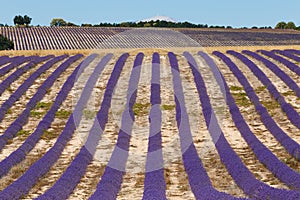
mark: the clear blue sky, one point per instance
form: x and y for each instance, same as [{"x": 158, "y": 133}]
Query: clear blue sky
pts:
[{"x": 236, "y": 13}]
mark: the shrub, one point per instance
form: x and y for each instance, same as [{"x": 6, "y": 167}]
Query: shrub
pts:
[{"x": 5, "y": 43}]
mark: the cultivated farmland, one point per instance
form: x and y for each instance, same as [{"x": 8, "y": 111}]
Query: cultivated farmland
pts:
[{"x": 183, "y": 120}]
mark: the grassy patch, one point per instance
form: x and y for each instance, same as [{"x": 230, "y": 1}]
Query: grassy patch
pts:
[
  {"x": 49, "y": 135},
  {"x": 43, "y": 105},
  {"x": 37, "y": 114},
  {"x": 260, "y": 89},
  {"x": 23, "y": 133},
  {"x": 270, "y": 105},
  {"x": 288, "y": 93},
  {"x": 236, "y": 88},
  {"x": 63, "y": 114},
  {"x": 141, "y": 109},
  {"x": 89, "y": 114},
  {"x": 9, "y": 111},
  {"x": 168, "y": 107},
  {"x": 241, "y": 99}
]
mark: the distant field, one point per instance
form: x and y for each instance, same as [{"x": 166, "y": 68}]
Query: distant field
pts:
[
  {"x": 187, "y": 122},
  {"x": 53, "y": 38}
]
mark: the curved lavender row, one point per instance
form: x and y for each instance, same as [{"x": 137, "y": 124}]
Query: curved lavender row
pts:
[
  {"x": 239, "y": 172},
  {"x": 292, "y": 66},
  {"x": 290, "y": 145},
  {"x": 111, "y": 180},
  {"x": 22, "y": 185},
  {"x": 293, "y": 51},
  {"x": 14, "y": 62},
  {"x": 34, "y": 60},
  {"x": 4, "y": 60},
  {"x": 71, "y": 177},
  {"x": 17, "y": 61},
  {"x": 287, "y": 54},
  {"x": 264, "y": 155},
  {"x": 20, "y": 154},
  {"x": 86, "y": 153},
  {"x": 291, "y": 113},
  {"x": 154, "y": 183},
  {"x": 16, "y": 126},
  {"x": 27, "y": 83},
  {"x": 276, "y": 70},
  {"x": 198, "y": 179}
]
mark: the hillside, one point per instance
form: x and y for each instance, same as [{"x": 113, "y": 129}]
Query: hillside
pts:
[{"x": 52, "y": 38}]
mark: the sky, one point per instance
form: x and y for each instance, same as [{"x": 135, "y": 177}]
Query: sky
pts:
[{"x": 236, "y": 13}]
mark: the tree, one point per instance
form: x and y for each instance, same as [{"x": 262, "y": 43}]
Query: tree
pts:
[
  {"x": 290, "y": 25},
  {"x": 280, "y": 25},
  {"x": 71, "y": 24},
  {"x": 27, "y": 20},
  {"x": 19, "y": 20},
  {"x": 58, "y": 22},
  {"x": 86, "y": 25},
  {"x": 5, "y": 43}
]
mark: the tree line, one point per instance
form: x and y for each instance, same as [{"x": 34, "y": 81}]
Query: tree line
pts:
[
  {"x": 287, "y": 25},
  {"x": 25, "y": 21}
]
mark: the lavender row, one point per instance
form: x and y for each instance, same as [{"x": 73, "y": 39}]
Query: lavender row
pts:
[
  {"x": 293, "y": 51},
  {"x": 111, "y": 180},
  {"x": 239, "y": 172},
  {"x": 11, "y": 63},
  {"x": 291, "y": 113},
  {"x": 276, "y": 70},
  {"x": 27, "y": 83},
  {"x": 292, "y": 66},
  {"x": 22, "y": 185},
  {"x": 19, "y": 155},
  {"x": 154, "y": 183},
  {"x": 264, "y": 155},
  {"x": 71, "y": 177},
  {"x": 4, "y": 60},
  {"x": 14, "y": 62},
  {"x": 198, "y": 179},
  {"x": 287, "y": 54},
  {"x": 15, "y": 75},
  {"x": 16, "y": 126}
]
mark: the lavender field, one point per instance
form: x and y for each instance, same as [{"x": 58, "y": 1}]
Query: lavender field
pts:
[
  {"x": 54, "y": 38},
  {"x": 153, "y": 124}
]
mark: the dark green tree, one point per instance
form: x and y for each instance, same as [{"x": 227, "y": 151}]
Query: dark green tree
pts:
[
  {"x": 280, "y": 25},
  {"x": 19, "y": 20},
  {"x": 290, "y": 25},
  {"x": 5, "y": 43},
  {"x": 27, "y": 20},
  {"x": 58, "y": 22},
  {"x": 86, "y": 25},
  {"x": 71, "y": 24}
]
